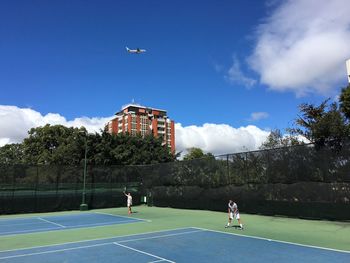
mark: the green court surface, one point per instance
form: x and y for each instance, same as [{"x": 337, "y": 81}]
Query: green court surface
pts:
[{"x": 327, "y": 234}]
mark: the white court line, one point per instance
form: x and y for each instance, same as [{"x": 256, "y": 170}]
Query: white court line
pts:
[
  {"x": 95, "y": 239},
  {"x": 169, "y": 235},
  {"x": 143, "y": 252},
  {"x": 274, "y": 240},
  {"x": 123, "y": 216},
  {"x": 53, "y": 251},
  {"x": 18, "y": 218},
  {"x": 156, "y": 261},
  {"x": 102, "y": 244},
  {"x": 24, "y": 224},
  {"x": 33, "y": 216},
  {"x": 102, "y": 224},
  {"x": 31, "y": 231},
  {"x": 47, "y": 221},
  {"x": 12, "y": 233}
]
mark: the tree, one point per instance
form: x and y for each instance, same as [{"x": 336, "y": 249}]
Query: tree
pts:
[
  {"x": 196, "y": 153},
  {"x": 133, "y": 150},
  {"x": 11, "y": 154},
  {"x": 344, "y": 100},
  {"x": 55, "y": 144},
  {"x": 277, "y": 140},
  {"x": 60, "y": 145},
  {"x": 322, "y": 125}
]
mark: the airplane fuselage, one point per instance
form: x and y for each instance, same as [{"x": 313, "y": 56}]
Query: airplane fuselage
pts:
[{"x": 136, "y": 51}]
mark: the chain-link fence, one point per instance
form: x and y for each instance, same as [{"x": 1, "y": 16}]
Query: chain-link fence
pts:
[
  {"x": 295, "y": 181},
  {"x": 54, "y": 188}
]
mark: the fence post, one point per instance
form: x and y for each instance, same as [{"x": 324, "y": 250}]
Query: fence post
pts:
[{"x": 228, "y": 169}]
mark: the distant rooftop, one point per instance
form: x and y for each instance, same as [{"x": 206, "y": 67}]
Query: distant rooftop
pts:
[{"x": 133, "y": 104}]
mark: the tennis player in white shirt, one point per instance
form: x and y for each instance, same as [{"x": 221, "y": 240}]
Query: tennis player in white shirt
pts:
[
  {"x": 128, "y": 202},
  {"x": 233, "y": 212}
]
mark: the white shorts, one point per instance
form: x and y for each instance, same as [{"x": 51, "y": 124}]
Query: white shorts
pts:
[
  {"x": 128, "y": 204},
  {"x": 236, "y": 216}
]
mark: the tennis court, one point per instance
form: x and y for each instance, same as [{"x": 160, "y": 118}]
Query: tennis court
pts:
[
  {"x": 178, "y": 245},
  {"x": 169, "y": 235},
  {"x": 15, "y": 226}
]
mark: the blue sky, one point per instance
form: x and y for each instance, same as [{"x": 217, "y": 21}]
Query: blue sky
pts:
[{"x": 231, "y": 64}]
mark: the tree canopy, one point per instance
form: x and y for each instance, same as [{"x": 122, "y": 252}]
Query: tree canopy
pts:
[
  {"x": 11, "y": 153},
  {"x": 344, "y": 100},
  {"x": 196, "y": 153},
  {"x": 327, "y": 124},
  {"x": 322, "y": 125},
  {"x": 61, "y": 145},
  {"x": 277, "y": 140}
]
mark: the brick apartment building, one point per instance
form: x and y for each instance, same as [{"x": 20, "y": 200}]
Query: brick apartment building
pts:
[{"x": 137, "y": 119}]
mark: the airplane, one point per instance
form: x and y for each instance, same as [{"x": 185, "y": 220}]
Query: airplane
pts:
[{"x": 135, "y": 51}]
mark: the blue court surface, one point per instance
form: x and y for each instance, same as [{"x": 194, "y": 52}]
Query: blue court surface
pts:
[
  {"x": 15, "y": 226},
  {"x": 178, "y": 245}
]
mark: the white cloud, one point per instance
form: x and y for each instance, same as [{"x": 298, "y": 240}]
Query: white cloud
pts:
[
  {"x": 303, "y": 45},
  {"x": 236, "y": 76},
  {"x": 255, "y": 116},
  {"x": 215, "y": 138},
  {"x": 16, "y": 122},
  {"x": 219, "y": 138}
]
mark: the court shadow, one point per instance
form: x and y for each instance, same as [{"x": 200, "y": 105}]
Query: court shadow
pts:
[{"x": 236, "y": 227}]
